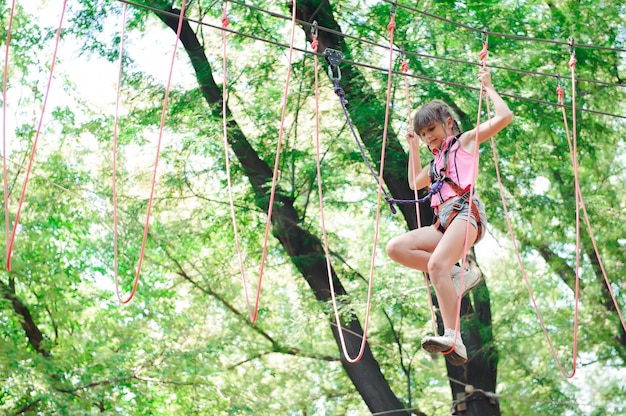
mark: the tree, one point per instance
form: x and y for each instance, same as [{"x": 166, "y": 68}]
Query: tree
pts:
[{"x": 184, "y": 346}]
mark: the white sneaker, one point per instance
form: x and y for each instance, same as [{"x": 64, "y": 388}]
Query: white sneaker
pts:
[
  {"x": 435, "y": 344},
  {"x": 470, "y": 279}
]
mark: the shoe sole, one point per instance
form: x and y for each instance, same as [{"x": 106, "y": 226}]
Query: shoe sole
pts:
[
  {"x": 472, "y": 286},
  {"x": 456, "y": 359},
  {"x": 434, "y": 347}
]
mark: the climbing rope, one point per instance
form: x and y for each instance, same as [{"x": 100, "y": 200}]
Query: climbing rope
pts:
[
  {"x": 156, "y": 164},
  {"x": 457, "y": 324},
  {"x": 517, "y": 252},
  {"x": 253, "y": 311},
  {"x": 4, "y": 129},
  {"x": 34, "y": 147},
  {"x": 334, "y": 58},
  {"x": 416, "y": 161},
  {"x": 572, "y": 144}
]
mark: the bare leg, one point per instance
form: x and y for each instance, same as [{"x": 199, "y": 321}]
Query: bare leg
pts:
[
  {"x": 413, "y": 249},
  {"x": 446, "y": 253}
]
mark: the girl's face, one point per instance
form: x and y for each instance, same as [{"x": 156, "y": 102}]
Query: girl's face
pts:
[{"x": 434, "y": 135}]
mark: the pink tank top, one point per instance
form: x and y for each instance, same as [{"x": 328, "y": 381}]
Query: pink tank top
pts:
[{"x": 461, "y": 169}]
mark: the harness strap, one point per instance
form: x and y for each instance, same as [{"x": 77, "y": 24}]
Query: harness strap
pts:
[{"x": 464, "y": 195}]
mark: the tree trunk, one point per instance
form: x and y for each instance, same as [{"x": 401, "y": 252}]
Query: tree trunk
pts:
[{"x": 481, "y": 370}]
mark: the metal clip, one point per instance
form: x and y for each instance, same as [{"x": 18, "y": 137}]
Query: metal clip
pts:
[
  {"x": 485, "y": 35},
  {"x": 570, "y": 42},
  {"x": 314, "y": 29}
]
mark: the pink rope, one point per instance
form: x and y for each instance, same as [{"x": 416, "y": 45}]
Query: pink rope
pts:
[
  {"x": 457, "y": 324},
  {"x": 518, "y": 255},
  {"x": 340, "y": 328},
  {"x": 4, "y": 129},
  {"x": 156, "y": 164},
  {"x": 268, "y": 224},
  {"x": 115, "y": 137},
  {"x": 579, "y": 195},
  {"x": 252, "y": 313},
  {"x": 34, "y": 148},
  {"x": 405, "y": 70},
  {"x": 349, "y": 359}
]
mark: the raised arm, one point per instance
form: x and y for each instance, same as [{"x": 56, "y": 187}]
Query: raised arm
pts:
[
  {"x": 499, "y": 121},
  {"x": 418, "y": 175}
]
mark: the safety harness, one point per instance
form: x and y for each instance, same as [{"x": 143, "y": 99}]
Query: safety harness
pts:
[{"x": 437, "y": 179}]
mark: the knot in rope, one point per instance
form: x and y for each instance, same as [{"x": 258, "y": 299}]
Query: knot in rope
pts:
[
  {"x": 437, "y": 186},
  {"x": 314, "y": 45},
  {"x": 392, "y": 24},
  {"x": 405, "y": 66},
  {"x": 484, "y": 52},
  {"x": 225, "y": 22},
  {"x": 391, "y": 201},
  {"x": 572, "y": 61},
  {"x": 340, "y": 92},
  {"x": 559, "y": 93}
]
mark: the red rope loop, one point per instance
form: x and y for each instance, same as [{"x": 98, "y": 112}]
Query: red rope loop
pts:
[
  {"x": 572, "y": 61},
  {"x": 314, "y": 44}
]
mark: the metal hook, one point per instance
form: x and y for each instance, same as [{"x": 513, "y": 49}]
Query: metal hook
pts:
[
  {"x": 570, "y": 41},
  {"x": 394, "y": 5},
  {"x": 314, "y": 29}
]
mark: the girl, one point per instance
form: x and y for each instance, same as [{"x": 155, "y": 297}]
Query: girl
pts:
[{"x": 435, "y": 249}]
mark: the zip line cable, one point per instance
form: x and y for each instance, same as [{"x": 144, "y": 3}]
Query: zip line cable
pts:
[
  {"x": 436, "y": 17},
  {"x": 417, "y": 54},
  {"x": 382, "y": 69},
  {"x": 502, "y": 35}
]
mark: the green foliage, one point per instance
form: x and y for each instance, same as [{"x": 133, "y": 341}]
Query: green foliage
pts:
[{"x": 185, "y": 343}]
